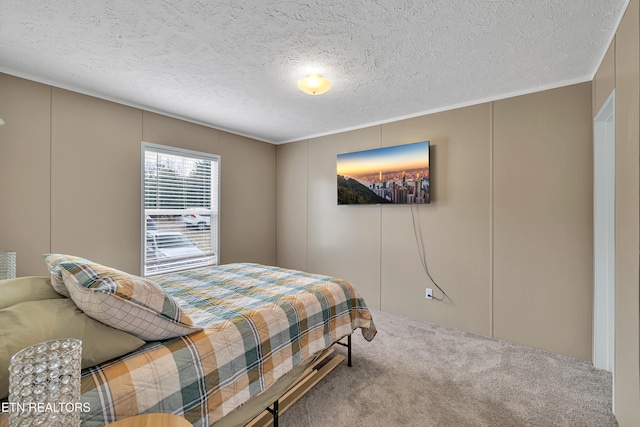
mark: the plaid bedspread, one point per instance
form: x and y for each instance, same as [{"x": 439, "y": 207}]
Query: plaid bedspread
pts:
[{"x": 259, "y": 322}]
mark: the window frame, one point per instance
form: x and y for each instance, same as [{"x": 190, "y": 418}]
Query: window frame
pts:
[{"x": 177, "y": 151}]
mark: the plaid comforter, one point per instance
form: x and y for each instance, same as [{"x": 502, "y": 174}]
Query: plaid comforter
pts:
[{"x": 258, "y": 323}]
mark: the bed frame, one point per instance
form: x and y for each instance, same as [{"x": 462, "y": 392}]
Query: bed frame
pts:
[{"x": 319, "y": 369}]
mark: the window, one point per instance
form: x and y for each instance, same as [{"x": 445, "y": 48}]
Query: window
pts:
[{"x": 180, "y": 214}]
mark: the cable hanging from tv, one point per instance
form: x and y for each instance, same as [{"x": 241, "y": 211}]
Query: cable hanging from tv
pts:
[{"x": 422, "y": 259}]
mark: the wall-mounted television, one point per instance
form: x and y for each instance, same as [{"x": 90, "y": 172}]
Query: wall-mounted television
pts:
[{"x": 389, "y": 175}]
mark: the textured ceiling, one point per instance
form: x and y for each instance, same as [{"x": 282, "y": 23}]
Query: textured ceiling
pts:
[{"x": 233, "y": 65}]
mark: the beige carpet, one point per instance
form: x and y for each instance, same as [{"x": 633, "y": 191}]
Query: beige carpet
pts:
[{"x": 420, "y": 374}]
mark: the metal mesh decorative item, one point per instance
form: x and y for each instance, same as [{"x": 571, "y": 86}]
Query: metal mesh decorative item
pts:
[
  {"x": 7, "y": 265},
  {"x": 44, "y": 384}
]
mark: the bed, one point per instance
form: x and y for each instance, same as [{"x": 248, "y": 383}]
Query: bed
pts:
[{"x": 263, "y": 329}]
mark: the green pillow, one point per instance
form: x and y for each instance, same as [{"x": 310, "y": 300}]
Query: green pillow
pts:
[
  {"x": 13, "y": 291},
  {"x": 31, "y": 322}
]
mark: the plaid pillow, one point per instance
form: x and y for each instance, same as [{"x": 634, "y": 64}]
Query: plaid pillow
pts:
[
  {"x": 52, "y": 261},
  {"x": 126, "y": 302}
]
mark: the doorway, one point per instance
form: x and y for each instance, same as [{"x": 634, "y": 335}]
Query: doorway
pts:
[{"x": 604, "y": 190}]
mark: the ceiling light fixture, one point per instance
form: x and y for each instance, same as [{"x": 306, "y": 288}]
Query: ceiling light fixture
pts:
[{"x": 314, "y": 84}]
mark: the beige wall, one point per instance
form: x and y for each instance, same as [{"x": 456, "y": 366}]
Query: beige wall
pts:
[
  {"x": 25, "y": 193},
  {"x": 621, "y": 70},
  {"x": 543, "y": 220},
  {"x": 292, "y": 206},
  {"x": 340, "y": 238},
  {"x": 455, "y": 226},
  {"x": 95, "y": 176},
  {"x": 508, "y": 235},
  {"x": 70, "y": 173}
]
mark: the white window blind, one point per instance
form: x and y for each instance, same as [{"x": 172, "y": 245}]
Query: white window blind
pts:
[{"x": 181, "y": 201}]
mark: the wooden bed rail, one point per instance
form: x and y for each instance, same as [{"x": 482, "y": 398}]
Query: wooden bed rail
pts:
[{"x": 325, "y": 363}]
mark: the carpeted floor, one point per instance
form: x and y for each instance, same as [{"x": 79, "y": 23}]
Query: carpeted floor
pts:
[{"x": 421, "y": 374}]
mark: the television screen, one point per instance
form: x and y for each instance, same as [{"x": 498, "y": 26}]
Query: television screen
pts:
[{"x": 398, "y": 174}]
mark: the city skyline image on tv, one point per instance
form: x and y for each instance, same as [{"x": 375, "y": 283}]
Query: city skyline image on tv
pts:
[{"x": 389, "y": 175}]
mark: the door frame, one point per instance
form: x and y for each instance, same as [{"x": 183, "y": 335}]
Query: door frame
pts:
[{"x": 604, "y": 176}]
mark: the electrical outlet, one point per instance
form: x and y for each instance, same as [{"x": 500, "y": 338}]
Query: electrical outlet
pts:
[{"x": 429, "y": 294}]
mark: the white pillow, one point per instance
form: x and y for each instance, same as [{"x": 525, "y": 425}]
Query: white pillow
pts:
[
  {"x": 52, "y": 261},
  {"x": 126, "y": 302}
]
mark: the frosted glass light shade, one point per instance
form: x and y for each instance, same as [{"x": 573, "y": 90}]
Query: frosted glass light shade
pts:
[
  {"x": 44, "y": 384},
  {"x": 314, "y": 84},
  {"x": 7, "y": 265}
]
